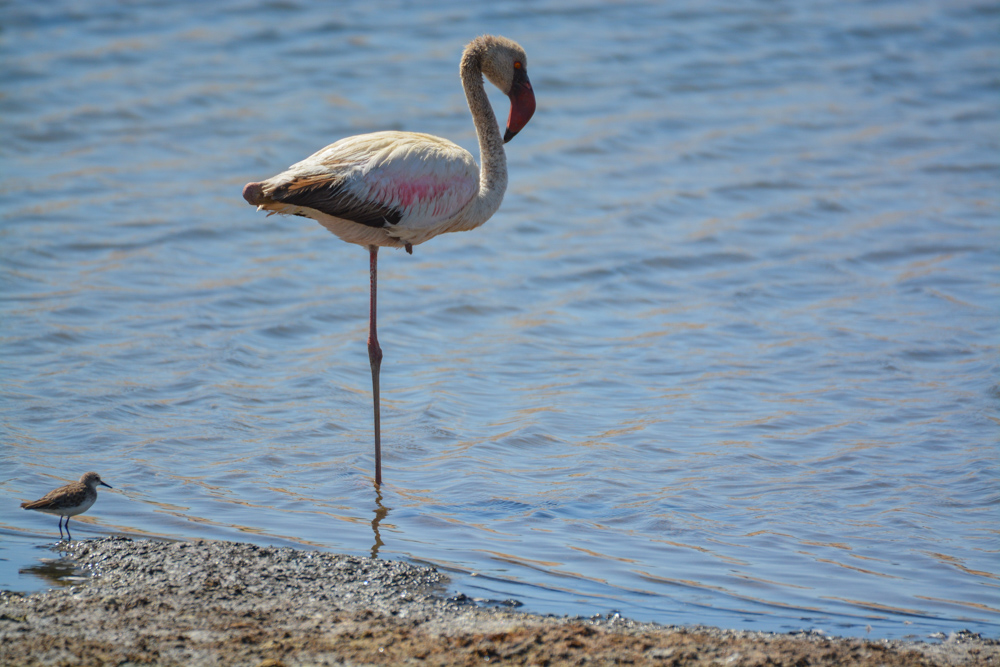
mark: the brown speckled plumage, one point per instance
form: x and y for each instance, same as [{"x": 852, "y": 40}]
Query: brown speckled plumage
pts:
[{"x": 69, "y": 500}]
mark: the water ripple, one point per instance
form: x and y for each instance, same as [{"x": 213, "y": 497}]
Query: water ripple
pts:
[{"x": 727, "y": 353}]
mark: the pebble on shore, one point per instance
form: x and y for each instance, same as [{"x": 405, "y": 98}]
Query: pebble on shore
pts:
[{"x": 217, "y": 603}]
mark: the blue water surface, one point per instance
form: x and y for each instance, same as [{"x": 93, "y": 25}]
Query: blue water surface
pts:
[{"x": 727, "y": 354}]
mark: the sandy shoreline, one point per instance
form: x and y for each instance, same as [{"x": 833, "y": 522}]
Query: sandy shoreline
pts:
[{"x": 221, "y": 603}]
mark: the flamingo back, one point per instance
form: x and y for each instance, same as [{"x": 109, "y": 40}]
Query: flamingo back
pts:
[{"x": 408, "y": 184}]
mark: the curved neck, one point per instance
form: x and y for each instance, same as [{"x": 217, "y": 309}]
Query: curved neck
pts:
[{"x": 493, "y": 172}]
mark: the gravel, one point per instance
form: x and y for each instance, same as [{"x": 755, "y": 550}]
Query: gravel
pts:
[{"x": 223, "y": 603}]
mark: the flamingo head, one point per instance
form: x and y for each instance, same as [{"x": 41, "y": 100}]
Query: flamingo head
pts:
[{"x": 505, "y": 64}]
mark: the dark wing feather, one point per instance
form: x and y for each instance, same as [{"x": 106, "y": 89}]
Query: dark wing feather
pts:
[{"x": 331, "y": 196}]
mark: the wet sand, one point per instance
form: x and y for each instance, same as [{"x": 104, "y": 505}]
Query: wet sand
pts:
[{"x": 222, "y": 603}]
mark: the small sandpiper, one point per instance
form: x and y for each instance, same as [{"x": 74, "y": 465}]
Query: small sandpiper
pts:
[{"x": 69, "y": 500}]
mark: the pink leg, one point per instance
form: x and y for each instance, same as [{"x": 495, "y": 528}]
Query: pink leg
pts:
[{"x": 375, "y": 357}]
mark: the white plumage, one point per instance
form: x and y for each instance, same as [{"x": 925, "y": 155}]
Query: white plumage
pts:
[
  {"x": 415, "y": 186},
  {"x": 399, "y": 189}
]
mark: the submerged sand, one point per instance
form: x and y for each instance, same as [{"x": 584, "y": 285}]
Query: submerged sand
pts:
[{"x": 221, "y": 603}]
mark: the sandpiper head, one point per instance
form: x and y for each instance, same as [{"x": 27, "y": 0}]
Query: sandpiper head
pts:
[{"x": 92, "y": 479}]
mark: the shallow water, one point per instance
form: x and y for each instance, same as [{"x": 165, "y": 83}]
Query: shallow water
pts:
[{"x": 727, "y": 354}]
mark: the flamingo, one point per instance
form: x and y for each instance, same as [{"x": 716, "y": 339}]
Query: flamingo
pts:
[{"x": 399, "y": 189}]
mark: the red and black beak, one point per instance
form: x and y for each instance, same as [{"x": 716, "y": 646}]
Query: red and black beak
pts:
[{"x": 522, "y": 104}]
